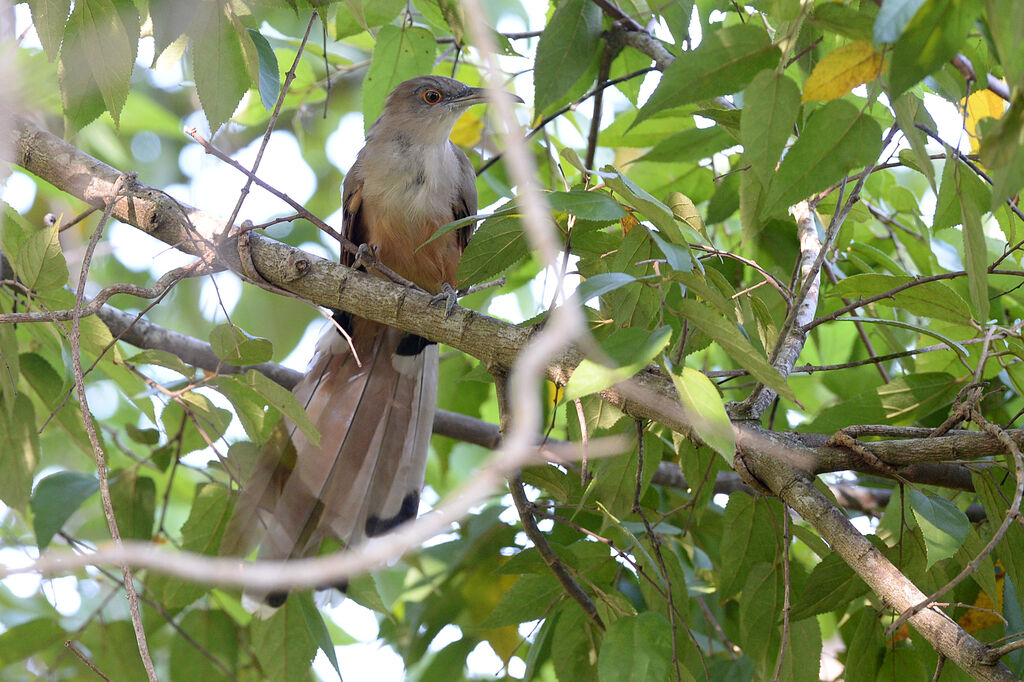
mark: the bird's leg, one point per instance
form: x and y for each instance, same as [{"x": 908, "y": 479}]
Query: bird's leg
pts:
[
  {"x": 448, "y": 294},
  {"x": 366, "y": 258}
]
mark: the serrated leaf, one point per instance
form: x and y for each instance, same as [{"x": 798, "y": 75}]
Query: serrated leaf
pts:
[
  {"x": 497, "y": 245},
  {"x": 934, "y": 34},
  {"x": 943, "y": 524},
  {"x": 283, "y": 644},
  {"x": 565, "y": 51},
  {"x": 735, "y": 344},
  {"x": 637, "y": 648},
  {"x": 725, "y": 61},
  {"x": 220, "y": 640},
  {"x": 928, "y": 299},
  {"x": 106, "y": 33},
  {"x": 40, "y": 262},
  {"x": 893, "y": 17},
  {"x": 55, "y": 499},
  {"x": 20, "y": 642},
  {"x": 134, "y": 500},
  {"x": 597, "y": 285},
  {"x": 231, "y": 344},
  {"x": 270, "y": 74},
  {"x": 161, "y": 358},
  {"x": 705, "y": 411},
  {"x": 218, "y": 62},
  {"x": 759, "y": 608},
  {"x": 19, "y": 452},
  {"x": 836, "y": 139},
  {"x": 528, "y": 599},
  {"x": 285, "y": 402},
  {"x": 637, "y": 197},
  {"x": 975, "y": 255},
  {"x": 592, "y": 377},
  {"x": 318, "y": 629},
  {"x": 689, "y": 145},
  {"x": 770, "y": 106},
  {"x": 400, "y": 54},
  {"x": 170, "y": 19},
  {"x": 831, "y": 585},
  {"x": 747, "y": 538},
  {"x": 843, "y": 69},
  {"x": 593, "y": 205},
  {"x": 49, "y": 18}
]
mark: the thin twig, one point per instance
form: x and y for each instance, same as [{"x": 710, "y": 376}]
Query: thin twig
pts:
[{"x": 90, "y": 427}]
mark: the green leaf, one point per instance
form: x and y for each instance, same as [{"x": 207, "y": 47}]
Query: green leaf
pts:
[
  {"x": 637, "y": 648},
  {"x": 162, "y": 358},
  {"x": 943, "y": 524},
  {"x": 40, "y": 262},
  {"x": 735, "y": 344},
  {"x": 318, "y": 629},
  {"x": 836, "y": 139},
  {"x": 759, "y": 608},
  {"x": 726, "y": 60},
  {"x": 21, "y": 642},
  {"x": 893, "y": 17},
  {"x": 284, "y": 401},
  {"x": 975, "y": 255},
  {"x": 1006, "y": 31},
  {"x": 770, "y": 106},
  {"x": 908, "y": 109},
  {"x": 220, "y": 640},
  {"x": 693, "y": 144},
  {"x": 529, "y": 598},
  {"x": 932, "y": 37},
  {"x": 19, "y": 452},
  {"x": 852, "y": 22},
  {"x": 231, "y": 344},
  {"x": 55, "y": 499},
  {"x": 106, "y": 34},
  {"x": 655, "y": 211},
  {"x": 218, "y": 62},
  {"x": 865, "y": 648},
  {"x": 134, "y": 500},
  {"x": 202, "y": 533},
  {"x": 49, "y": 18},
  {"x": 747, "y": 538},
  {"x": 678, "y": 257},
  {"x": 170, "y": 19},
  {"x": 575, "y": 641},
  {"x": 283, "y": 645},
  {"x": 270, "y": 74},
  {"x": 400, "y": 54},
  {"x": 913, "y": 327},
  {"x": 831, "y": 586},
  {"x": 565, "y": 51},
  {"x": 592, "y": 377},
  {"x": 929, "y": 299},
  {"x": 705, "y": 411},
  {"x": 602, "y": 283},
  {"x": 956, "y": 189},
  {"x": 497, "y": 245},
  {"x": 587, "y": 205},
  {"x": 10, "y": 367}
]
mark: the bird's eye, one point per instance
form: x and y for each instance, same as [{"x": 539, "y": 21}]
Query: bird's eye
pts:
[{"x": 431, "y": 96}]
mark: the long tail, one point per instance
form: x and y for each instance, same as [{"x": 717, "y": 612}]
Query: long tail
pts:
[{"x": 374, "y": 417}]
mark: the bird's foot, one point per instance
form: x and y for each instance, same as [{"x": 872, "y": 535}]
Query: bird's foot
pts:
[
  {"x": 366, "y": 258},
  {"x": 447, "y": 294}
]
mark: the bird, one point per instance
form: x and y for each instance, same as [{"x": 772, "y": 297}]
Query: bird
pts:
[{"x": 371, "y": 392}]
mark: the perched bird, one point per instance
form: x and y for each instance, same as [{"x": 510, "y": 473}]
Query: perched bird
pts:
[{"x": 372, "y": 400}]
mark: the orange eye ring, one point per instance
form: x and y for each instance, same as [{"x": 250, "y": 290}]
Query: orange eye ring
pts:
[{"x": 432, "y": 96}]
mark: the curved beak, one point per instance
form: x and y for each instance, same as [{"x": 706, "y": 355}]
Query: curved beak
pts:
[{"x": 479, "y": 96}]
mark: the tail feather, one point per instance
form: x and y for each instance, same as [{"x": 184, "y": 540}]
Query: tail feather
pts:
[{"x": 374, "y": 419}]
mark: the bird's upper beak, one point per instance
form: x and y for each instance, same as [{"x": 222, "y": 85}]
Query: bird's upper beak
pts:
[{"x": 479, "y": 96}]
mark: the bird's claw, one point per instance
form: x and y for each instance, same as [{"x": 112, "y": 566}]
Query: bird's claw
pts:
[
  {"x": 447, "y": 294},
  {"x": 366, "y": 257}
]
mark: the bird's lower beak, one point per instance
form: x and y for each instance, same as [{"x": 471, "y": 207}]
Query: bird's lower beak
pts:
[{"x": 479, "y": 95}]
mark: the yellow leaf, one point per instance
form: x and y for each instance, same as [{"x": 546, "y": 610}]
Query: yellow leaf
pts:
[
  {"x": 985, "y": 613},
  {"x": 981, "y": 104},
  {"x": 842, "y": 70},
  {"x": 466, "y": 132}
]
